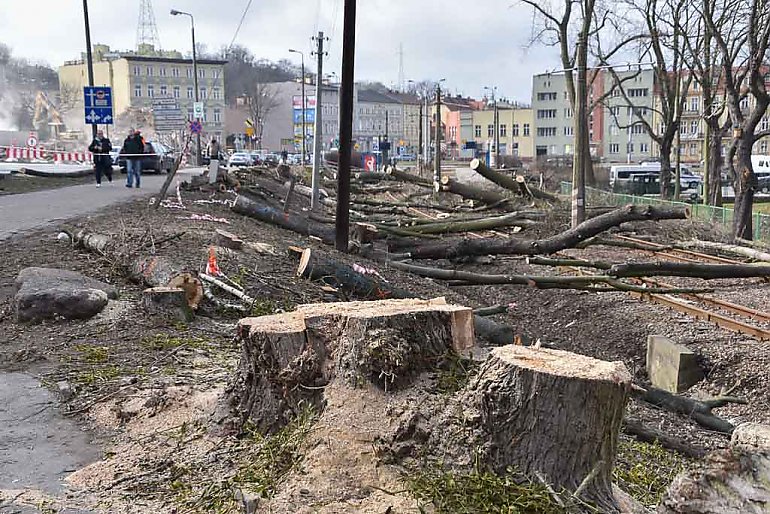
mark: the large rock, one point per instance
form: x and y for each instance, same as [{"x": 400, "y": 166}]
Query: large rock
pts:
[
  {"x": 44, "y": 293},
  {"x": 752, "y": 436}
]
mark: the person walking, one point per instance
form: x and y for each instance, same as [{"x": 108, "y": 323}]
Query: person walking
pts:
[
  {"x": 214, "y": 149},
  {"x": 101, "y": 147},
  {"x": 133, "y": 148}
]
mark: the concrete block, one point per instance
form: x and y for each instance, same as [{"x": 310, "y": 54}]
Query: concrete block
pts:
[{"x": 671, "y": 366}]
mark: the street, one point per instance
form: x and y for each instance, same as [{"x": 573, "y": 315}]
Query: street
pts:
[{"x": 22, "y": 212}]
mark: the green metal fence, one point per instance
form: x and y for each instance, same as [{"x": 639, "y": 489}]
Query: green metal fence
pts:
[{"x": 720, "y": 215}]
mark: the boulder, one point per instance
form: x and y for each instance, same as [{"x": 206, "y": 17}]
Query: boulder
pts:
[
  {"x": 44, "y": 293},
  {"x": 752, "y": 436}
]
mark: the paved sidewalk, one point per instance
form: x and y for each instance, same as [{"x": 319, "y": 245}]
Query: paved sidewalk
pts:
[{"x": 27, "y": 211}]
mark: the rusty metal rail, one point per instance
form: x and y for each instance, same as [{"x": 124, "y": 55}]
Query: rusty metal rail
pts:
[{"x": 679, "y": 254}]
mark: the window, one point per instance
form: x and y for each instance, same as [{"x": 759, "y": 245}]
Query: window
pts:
[
  {"x": 176, "y": 91},
  {"x": 763, "y": 123},
  {"x": 614, "y": 129},
  {"x": 162, "y": 71},
  {"x": 490, "y": 130},
  {"x": 614, "y": 148},
  {"x": 568, "y": 113},
  {"x": 217, "y": 116},
  {"x": 151, "y": 91},
  {"x": 503, "y": 130},
  {"x": 567, "y": 149},
  {"x": 638, "y": 92},
  {"x": 190, "y": 92},
  {"x": 515, "y": 130},
  {"x": 216, "y": 93},
  {"x": 615, "y": 111},
  {"x": 526, "y": 130},
  {"x": 205, "y": 115},
  {"x": 546, "y": 97},
  {"x": 644, "y": 148},
  {"x": 203, "y": 93},
  {"x": 569, "y": 131},
  {"x": 137, "y": 91},
  {"x": 638, "y": 128},
  {"x": 202, "y": 73},
  {"x": 137, "y": 71},
  {"x": 630, "y": 148},
  {"x": 175, "y": 72},
  {"x": 189, "y": 73},
  {"x": 744, "y": 104},
  {"x": 149, "y": 71},
  {"x": 615, "y": 92},
  {"x": 543, "y": 114},
  {"x": 163, "y": 90},
  {"x": 695, "y": 104},
  {"x": 189, "y": 113},
  {"x": 694, "y": 127},
  {"x": 546, "y": 131},
  {"x": 763, "y": 147},
  {"x": 477, "y": 131}
]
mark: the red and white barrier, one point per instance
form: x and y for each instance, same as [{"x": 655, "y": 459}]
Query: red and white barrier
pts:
[
  {"x": 26, "y": 153},
  {"x": 13, "y": 152},
  {"x": 73, "y": 157}
]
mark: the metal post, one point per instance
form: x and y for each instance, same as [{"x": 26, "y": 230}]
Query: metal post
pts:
[
  {"x": 437, "y": 156},
  {"x": 198, "y": 159},
  {"x": 317, "y": 133},
  {"x": 426, "y": 132},
  {"x": 89, "y": 57},
  {"x": 420, "y": 143},
  {"x": 304, "y": 115},
  {"x": 342, "y": 224},
  {"x": 385, "y": 152},
  {"x": 496, "y": 116}
]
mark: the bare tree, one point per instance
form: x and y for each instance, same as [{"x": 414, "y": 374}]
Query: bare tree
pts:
[
  {"x": 743, "y": 45},
  {"x": 261, "y": 100}
]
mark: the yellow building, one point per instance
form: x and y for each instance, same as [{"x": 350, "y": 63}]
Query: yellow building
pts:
[
  {"x": 137, "y": 80},
  {"x": 516, "y": 131}
]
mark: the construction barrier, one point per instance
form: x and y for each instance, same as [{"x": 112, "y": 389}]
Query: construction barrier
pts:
[{"x": 29, "y": 153}]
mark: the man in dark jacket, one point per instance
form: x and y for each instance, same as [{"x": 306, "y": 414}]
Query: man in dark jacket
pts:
[
  {"x": 101, "y": 147},
  {"x": 133, "y": 148}
]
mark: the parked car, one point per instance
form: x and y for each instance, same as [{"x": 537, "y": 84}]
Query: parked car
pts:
[
  {"x": 206, "y": 159},
  {"x": 271, "y": 158},
  {"x": 158, "y": 158},
  {"x": 240, "y": 159},
  {"x": 256, "y": 157},
  {"x": 763, "y": 184}
]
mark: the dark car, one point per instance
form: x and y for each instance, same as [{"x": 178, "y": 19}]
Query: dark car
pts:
[
  {"x": 158, "y": 158},
  {"x": 763, "y": 184}
]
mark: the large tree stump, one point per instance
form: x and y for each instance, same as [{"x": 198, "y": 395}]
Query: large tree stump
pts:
[
  {"x": 553, "y": 414},
  {"x": 167, "y": 301},
  {"x": 287, "y": 359}
]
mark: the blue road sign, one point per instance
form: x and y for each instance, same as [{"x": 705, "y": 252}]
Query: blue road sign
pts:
[
  {"x": 98, "y": 105},
  {"x": 196, "y": 127}
]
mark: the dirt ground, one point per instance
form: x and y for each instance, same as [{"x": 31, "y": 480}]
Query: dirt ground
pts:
[
  {"x": 15, "y": 184},
  {"x": 147, "y": 388}
]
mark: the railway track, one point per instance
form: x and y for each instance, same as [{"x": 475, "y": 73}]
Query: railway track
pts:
[{"x": 741, "y": 319}]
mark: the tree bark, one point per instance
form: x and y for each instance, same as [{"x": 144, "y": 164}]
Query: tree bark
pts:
[
  {"x": 408, "y": 177},
  {"x": 529, "y": 403},
  {"x": 156, "y": 271},
  {"x": 688, "y": 269},
  {"x": 167, "y": 301},
  {"x": 553, "y": 244},
  {"x": 745, "y": 187},
  {"x": 249, "y": 207},
  {"x": 742, "y": 251},
  {"x": 453, "y": 226},
  {"x": 470, "y": 192},
  {"x": 507, "y": 182},
  {"x": 714, "y": 194},
  {"x": 666, "y": 191}
]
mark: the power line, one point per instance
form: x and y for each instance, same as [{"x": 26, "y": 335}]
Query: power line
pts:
[{"x": 240, "y": 24}]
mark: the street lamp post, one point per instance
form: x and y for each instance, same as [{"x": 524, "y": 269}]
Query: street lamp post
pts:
[
  {"x": 174, "y": 12},
  {"x": 495, "y": 125},
  {"x": 89, "y": 57},
  {"x": 304, "y": 133},
  {"x": 437, "y": 156}
]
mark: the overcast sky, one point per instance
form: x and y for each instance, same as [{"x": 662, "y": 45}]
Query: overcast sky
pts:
[{"x": 470, "y": 43}]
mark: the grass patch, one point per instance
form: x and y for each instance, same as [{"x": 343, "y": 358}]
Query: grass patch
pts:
[
  {"x": 479, "y": 492},
  {"x": 95, "y": 376},
  {"x": 93, "y": 354},
  {"x": 162, "y": 342},
  {"x": 645, "y": 470},
  {"x": 454, "y": 373},
  {"x": 263, "y": 307},
  {"x": 262, "y": 462}
]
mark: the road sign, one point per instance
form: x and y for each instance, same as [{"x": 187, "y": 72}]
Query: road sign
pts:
[
  {"x": 167, "y": 115},
  {"x": 249, "y": 131},
  {"x": 197, "y": 110},
  {"x": 375, "y": 144},
  {"x": 32, "y": 140},
  {"x": 370, "y": 162},
  {"x": 196, "y": 127},
  {"x": 98, "y": 105}
]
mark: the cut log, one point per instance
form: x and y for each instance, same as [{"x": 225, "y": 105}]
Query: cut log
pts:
[
  {"x": 573, "y": 263},
  {"x": 470, "y": 192},
  {"x": 491, "y": 311},
  {"x": 496, "y": 334},
  {"x": 228, "y": 240},
  {"x": 646, "y": 434},
  {"x": 359, "y": 283},
  {"x": 158, "y": 271},
  {"x": 192, "y": 287},
  {"x": 290, "y": 190},
  {"x": 567, "y": 239},
  {"x": 93, "y": 242},
  {"x": 751, "y": 253},
  {"x": 698, "y": 410},
  {"x": 530, "y": 401},
  {"x": 263, "y": 212},
  {"x": 507, "y": 182},
  {"x": 408, "y": 177},
  {"x": 167, "y": 301},
  {"x": 287, "y": 359},
  {"x": 688, "y": 269},
  {"x": 230, "y": 289},
  {"x": 448, "y": 227}
]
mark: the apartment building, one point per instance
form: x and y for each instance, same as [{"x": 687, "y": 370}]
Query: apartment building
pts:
[
  {"x": 625, "y": 138},
  {"x": 136, "y": 80},
  {"x": 515, "y": 124}
]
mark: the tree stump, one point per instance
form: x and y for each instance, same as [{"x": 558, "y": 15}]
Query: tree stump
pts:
[
  {"x": 553, "y": 414},
  {"x": 287, "y": 359},
  {"x": 157, "y": 271},
  {"x": 229, "y": 240},
  {"x": 167, "y": 301}
]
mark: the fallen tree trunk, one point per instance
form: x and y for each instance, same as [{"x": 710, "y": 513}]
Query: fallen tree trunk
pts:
[
  {"x": 381, "y": 203},
  {"x": 698, "y": 410},
  {"x": 507, "y": 182},
  {"x": 567, "y": 239},
  {"x": 646, "y": 434},
  {"x": 751, "y": 253},
  {"x": 520, "y": 394},
  {"x": 470, "y": 193},
  {"x": 576, "y": 263},
  {"x": 688, "y": 269},
  {"x": 408, "y": 177},
  {"x": 248, "y": 207},
  {"x": 448, "y": 227}
]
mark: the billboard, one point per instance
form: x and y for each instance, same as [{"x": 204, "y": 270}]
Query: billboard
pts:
[
  {"x": 296, "y": 102},
  {"x": 309, "y": 116}
]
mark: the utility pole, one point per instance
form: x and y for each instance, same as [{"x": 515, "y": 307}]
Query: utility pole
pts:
[
  {"x": 426, "y": 131},
  {"x": 89, "y": 57},
  {"x": 437, "y": 156},
  {"x": 497, "y": 135},
  {"x": 174, "y": 12},
  {"x": 581, "y": 136},
  {"x": 317, "y": 132},
  {"x": 420, "y": 143},
  {"x": 385, "y": 152},
  {"x": 342, "y": 225}
]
